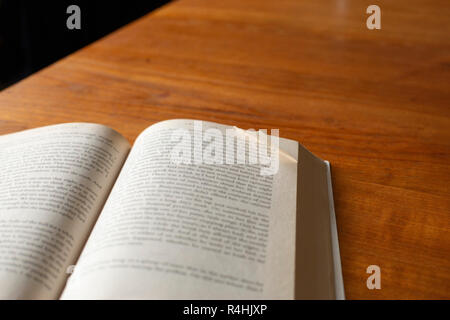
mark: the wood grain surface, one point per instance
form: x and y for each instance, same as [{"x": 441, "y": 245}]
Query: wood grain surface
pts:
[{"x": 375, "y": 103}]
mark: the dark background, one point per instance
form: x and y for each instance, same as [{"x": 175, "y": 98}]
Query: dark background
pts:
[{"x": 33, "y": 34}]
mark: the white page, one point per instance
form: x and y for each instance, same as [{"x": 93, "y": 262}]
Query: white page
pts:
[
  {"x": 167, "y": 231},
  {"x": 53, "y": 183}
]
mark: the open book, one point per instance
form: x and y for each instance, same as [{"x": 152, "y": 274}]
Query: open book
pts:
[{"x": 83, "y": 215}]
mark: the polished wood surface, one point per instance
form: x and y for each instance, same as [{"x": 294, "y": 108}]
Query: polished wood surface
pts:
[{"x": 375, "y": 103}]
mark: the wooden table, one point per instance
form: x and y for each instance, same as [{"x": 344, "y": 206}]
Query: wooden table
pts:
[{"x": 375, "y": 103}]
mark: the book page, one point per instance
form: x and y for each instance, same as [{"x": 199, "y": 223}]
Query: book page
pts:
[
  {"x": 193, "y": 231},
  {"x": 53, "y": 183}
]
